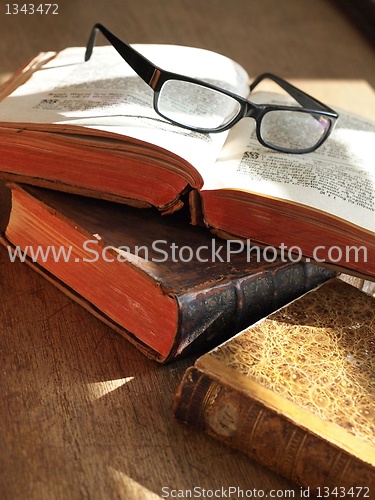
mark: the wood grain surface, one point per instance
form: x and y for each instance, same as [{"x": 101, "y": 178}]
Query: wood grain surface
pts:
[{"x": 83, "y": 413}]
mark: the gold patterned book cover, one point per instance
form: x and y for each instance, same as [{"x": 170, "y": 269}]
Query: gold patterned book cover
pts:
[{"x": 296, "y": 391}]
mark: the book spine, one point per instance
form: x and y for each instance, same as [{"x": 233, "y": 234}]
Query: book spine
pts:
[
  {"x": 219, "y": 311},
  {"x": 236, "y": 419}
]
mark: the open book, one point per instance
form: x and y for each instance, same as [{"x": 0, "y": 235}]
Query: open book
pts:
[{"x": 90, "y": 128}]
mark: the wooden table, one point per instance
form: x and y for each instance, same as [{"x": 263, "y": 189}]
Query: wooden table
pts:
[{"x": 83, "y": 413}]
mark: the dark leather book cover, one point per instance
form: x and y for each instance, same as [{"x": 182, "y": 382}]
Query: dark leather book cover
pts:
[
  {"x": 295, "y": 391},
  {"x": 169, "y": 287}
]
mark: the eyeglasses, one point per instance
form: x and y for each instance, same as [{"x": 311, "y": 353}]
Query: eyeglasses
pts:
[{"x": 200, "y": 106}]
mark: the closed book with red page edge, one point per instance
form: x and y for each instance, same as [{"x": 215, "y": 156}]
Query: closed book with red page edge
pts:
[
  {"x": 167, "y": 286},
  {"x": 295, "y": 391}
]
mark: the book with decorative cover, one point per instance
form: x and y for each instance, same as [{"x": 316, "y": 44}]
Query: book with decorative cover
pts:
[{"x": 295, "y": 391}]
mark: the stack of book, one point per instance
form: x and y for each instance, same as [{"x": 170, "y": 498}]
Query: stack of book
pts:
[{"x": 179, "y": 240}]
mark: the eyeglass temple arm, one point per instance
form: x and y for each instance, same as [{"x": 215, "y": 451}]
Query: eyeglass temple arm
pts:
[
  {"x": 142, "y": 66},
  {"x": 304, "y": 99}
]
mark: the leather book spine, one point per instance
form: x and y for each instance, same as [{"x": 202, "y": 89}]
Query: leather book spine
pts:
[
  {"x": 218, "y": 311},
  {"x": 210, "y": 404}
]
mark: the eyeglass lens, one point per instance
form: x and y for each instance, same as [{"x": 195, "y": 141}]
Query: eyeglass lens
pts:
[
  {"x": 293, "y": 130},
  {"x": 195, "y": 106}
]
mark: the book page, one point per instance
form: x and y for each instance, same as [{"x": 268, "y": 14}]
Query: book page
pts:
[
  {"x": 338, "y": 178},
  {"x": 106, "y": 94}
]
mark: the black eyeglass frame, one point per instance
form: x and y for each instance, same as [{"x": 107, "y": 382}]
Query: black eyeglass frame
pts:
[{"x": 156, "y": 77}]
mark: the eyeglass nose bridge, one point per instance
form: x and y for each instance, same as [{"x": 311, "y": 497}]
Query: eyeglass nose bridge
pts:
[{"x": 252, "y": 110}]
